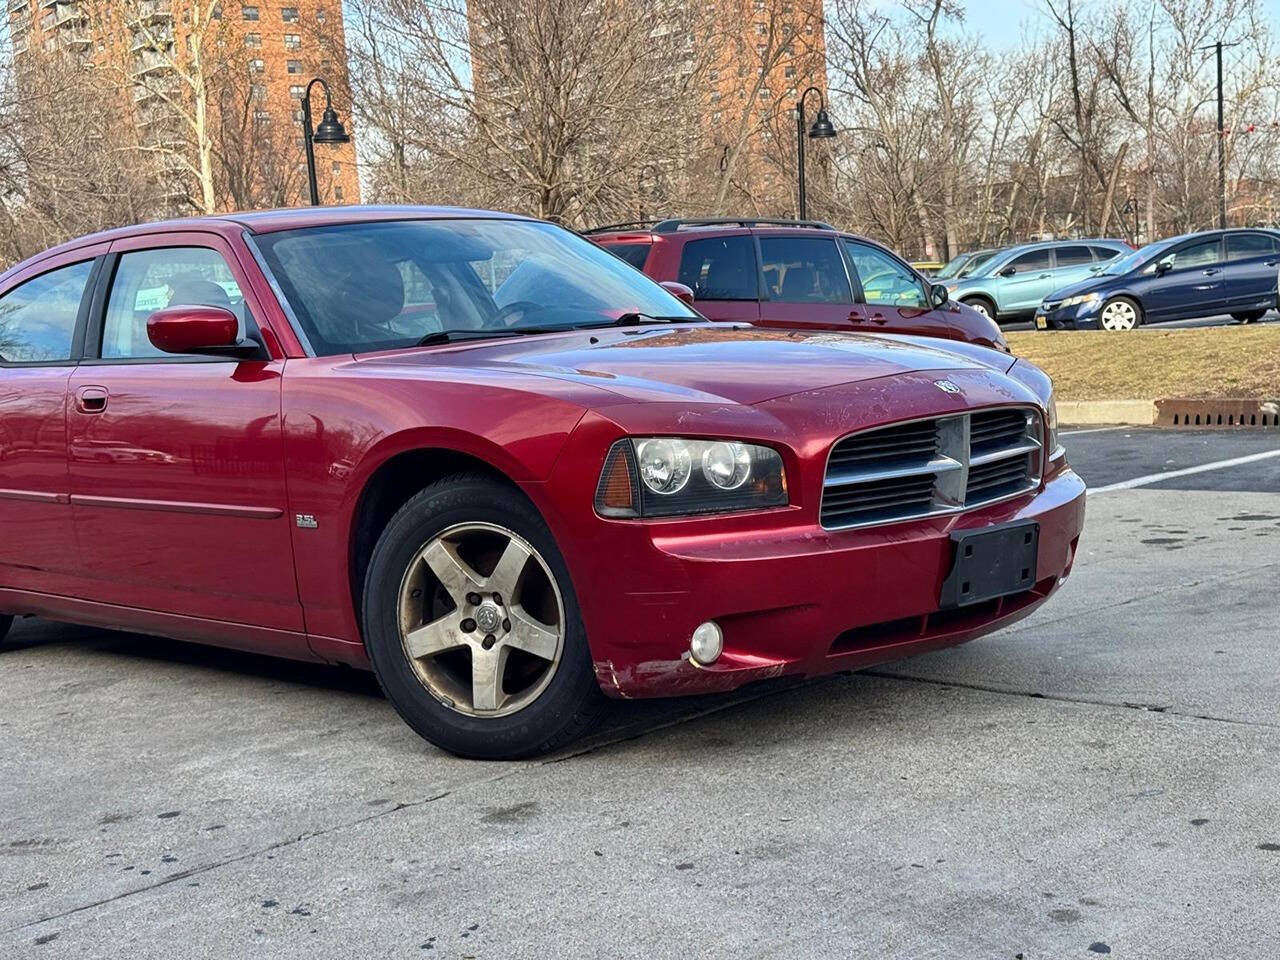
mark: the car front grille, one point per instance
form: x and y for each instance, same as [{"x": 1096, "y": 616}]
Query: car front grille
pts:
[{"x": 927, "y": 467}]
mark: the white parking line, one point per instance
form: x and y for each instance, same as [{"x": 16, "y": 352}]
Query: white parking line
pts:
[
  {"x": 1076, "y": 433},
  {"x": 1185, "y": 472}
]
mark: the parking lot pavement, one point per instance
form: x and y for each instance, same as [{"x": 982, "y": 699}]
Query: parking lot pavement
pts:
[{"x": 1099, "y": 778}]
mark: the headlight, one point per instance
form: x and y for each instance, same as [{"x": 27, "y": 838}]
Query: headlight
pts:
[
  {"x": 673, "y": 476},
  {"x": 1083, "y": 298}
]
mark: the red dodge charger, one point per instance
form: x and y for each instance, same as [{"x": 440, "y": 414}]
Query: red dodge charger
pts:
[{"x": 492, "y": 462}]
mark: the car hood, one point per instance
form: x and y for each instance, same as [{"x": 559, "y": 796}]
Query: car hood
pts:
[{"x": 703, "y": 363}]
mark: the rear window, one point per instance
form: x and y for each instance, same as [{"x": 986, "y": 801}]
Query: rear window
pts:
[
  {"x": 1107, "y": 253},
  {"x": 633, "y": 253},
  {"x": 1242, "y": 246},
  {"x": 1074, "y": 256},
  {"x": 721, "y": 268}
]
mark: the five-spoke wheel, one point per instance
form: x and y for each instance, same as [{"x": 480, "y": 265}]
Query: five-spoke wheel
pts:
[{"x": 481, "y": 619}]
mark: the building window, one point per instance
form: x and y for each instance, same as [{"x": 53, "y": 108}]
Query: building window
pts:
[
  {"x": 296, "y": 91},
  {"x": 261, "y": 117},
  {"x": 321, "y": 16},
  {"x": 249, "y": 13},
  {"x": 297, "y": 115},
  {"x": 761, "y": 29},
  {"x": 294, "y": 66},
  {"x": 717, "y": 116},
  {"x": 253, "y": 39},
  {"x": 257, "y": 66},
  {"x": 337, "y": 168},
  {"x": 289, "y": 14},
  {"x": 715, "y": 96},
  {"x": 764, "y": 93},
  {"x": 259, "y": 91},
  {"x": 292, "y": 41},
  {"x": 789, "y": 72},
  {"x": 337, "y": 193}
]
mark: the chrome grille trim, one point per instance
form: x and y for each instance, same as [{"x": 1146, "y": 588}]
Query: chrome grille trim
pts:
[{"x": 932, "y": 466}]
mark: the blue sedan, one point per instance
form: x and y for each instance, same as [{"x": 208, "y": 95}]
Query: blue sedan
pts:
[{"x": 1195, "y": 275}]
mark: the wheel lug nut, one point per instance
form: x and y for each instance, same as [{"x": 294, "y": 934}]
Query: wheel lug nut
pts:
[
  {"x": 468, "y": 625},
  {"x": 497, "y": 598},
  {"x": 489, "y": 641},
  {"x": 473, "y": 599},
  {"x": 506, "y": 625}
]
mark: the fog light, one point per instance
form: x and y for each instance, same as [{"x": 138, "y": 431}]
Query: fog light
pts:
[{"x": 706, "y": 643}]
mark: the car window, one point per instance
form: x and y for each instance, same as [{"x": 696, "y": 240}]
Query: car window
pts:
[
  {"x": 148, "y": 280},
  {"x": 38, "y": 318},
  {"x": 1197, "y": 255},
  {"x": 1074, "y": 256},
  {"x": 804, "y": 270},
  {"x": 633, "y": 253},
  {"x": 1035, "y": 261},
  {"x": 1242, "y": 246},
  {"x": 1105, "y": 253},
  {"x": 885, "y": 281},
  {"x": 723, "y": 268}
]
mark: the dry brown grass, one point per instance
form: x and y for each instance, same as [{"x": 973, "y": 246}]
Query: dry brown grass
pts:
[{"x": 1214, "y": 362}]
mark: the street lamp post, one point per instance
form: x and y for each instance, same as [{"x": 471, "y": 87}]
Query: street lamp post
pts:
[
  {"x": 1131, "y": 207},
  {"x": 330, "y": 130},
  {"x": 822, "y": 129}
]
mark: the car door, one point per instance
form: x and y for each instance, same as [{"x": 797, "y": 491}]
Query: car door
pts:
[
  {"x": 894, "y": 298},
  {"x": 723, "y": 274},
  {"x": 1249, "y": 277},
  {"x": 806, "y": 284},
  {"x": 1191, "y": 285},
  {"x": 177, "y": 474},
  {"x": 42, "y": 319},
  {"x": 1024, "y": 281}
]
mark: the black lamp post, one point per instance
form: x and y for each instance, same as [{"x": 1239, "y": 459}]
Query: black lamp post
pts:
[
  {"x": 822, "y": 129},
  {"x": 330, "y": 130},
  {"x": 1131, "y": 207}
]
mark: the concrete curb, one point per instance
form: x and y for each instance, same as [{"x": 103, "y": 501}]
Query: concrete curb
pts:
[
  {"x": 1138, "y": 413},
  {"x": 1171, "y": 412}
]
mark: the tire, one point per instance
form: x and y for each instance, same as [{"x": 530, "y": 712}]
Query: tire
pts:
[
  {"x": 1251, "y": 316},
  {"x": 982, "y": 305},
  {"x": 6, "y": 622},
  {"x": 1120, "y": 314},
  {"x": 477, "y": 641}
]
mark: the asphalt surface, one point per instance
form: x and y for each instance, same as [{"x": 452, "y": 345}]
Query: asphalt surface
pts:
[
  {"x": 1100, "y": 778},
  {"x": 1216, "y": 321}
]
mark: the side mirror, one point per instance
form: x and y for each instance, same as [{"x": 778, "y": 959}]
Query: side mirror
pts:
[
  {"x": 1008, "y": 271},
  {"x": 939, "y": 294},
  {"x": 678, "y": 290},
  {"x": 207, "y": 331},
  {"x": 1163, "y": 267}
]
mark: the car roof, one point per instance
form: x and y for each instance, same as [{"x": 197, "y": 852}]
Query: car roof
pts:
[
  {"x": 270, "y": 221},
  {"x": 648, "y": 231}
]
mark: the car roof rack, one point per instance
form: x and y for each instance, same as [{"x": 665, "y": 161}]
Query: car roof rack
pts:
[
  {"x": 671, "y": 226},
  {"x": 609, "y": 227}
]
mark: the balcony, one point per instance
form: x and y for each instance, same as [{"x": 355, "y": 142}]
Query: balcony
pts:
[
  {"x": 149, "y": 62},
  {"x": 148, "y": 39},
  {"x": 152, "y": 11}
]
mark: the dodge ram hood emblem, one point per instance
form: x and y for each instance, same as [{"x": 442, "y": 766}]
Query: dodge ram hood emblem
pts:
[{"x": 946, "y": 386}]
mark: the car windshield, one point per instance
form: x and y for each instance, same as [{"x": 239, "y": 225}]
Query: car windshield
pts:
[
  {"x": 975, "y": 262},
  {"x": 387, "y": 285},
  {"x": 1134, "y": 260},
  {"x": 953, "y": 266}
]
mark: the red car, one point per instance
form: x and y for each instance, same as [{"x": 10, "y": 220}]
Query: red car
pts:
[
  {"x": 796, "y": 273},
  {"x": 492, "y": 462}
]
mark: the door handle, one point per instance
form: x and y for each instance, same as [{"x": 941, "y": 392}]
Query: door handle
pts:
[
  {"x": 1210, "y": 273},
  {"x": 91, "y": 399},
  {"x": 1044, "y": 276},
  {"x": 878, "y": 318},
  {"x": 1273, "y": 263}
]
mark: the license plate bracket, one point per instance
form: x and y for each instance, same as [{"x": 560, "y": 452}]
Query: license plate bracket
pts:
[
  {"x": 991, "y": 562},
  {"x": 1042, "y": 322}
]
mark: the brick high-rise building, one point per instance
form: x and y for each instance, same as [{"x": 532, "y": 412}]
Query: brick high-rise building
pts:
[{"x": 253, "y": 61}]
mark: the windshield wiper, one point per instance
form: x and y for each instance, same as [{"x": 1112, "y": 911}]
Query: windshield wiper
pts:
[
  {"x": 634, "y": 317},
  {"x": 453, "y": 336}
]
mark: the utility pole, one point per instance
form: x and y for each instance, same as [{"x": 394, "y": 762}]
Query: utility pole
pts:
[
  {"x": 1222, "y": 147},
  {"x": 1222, "y": 136}
]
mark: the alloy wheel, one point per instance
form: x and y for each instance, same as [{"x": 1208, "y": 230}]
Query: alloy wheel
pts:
[
  {"x": 481, "y": 620},
  {"x": 1119, "y": 315}
]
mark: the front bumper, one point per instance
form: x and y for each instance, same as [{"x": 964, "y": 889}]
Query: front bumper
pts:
[
  {"x": 1083, "y": 316},
  {"x": 800, "y": 600}
]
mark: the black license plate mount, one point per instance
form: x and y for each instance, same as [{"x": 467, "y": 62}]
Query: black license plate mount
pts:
[{"x": 991, "y": 562}]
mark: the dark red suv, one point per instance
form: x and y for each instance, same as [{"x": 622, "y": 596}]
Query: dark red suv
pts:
[{"x": 795, "y": 273}]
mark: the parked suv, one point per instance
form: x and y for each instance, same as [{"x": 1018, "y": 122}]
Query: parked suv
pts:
[
  {"x": 793, "y": 273},
  {"x": 1012, "y": 284}
]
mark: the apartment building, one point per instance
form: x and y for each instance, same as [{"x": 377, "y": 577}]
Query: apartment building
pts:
[{"x": 253, "y": 61}]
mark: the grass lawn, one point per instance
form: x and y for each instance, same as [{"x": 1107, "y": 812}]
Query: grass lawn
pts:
[{"x": 1217, "y": 362}]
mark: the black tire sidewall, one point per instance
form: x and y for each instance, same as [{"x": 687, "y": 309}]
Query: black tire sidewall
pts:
[
  {"x": 569, "y": 701},
  {"x": 987, "y": 305},
  {"x": 6, "y": 623}
]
